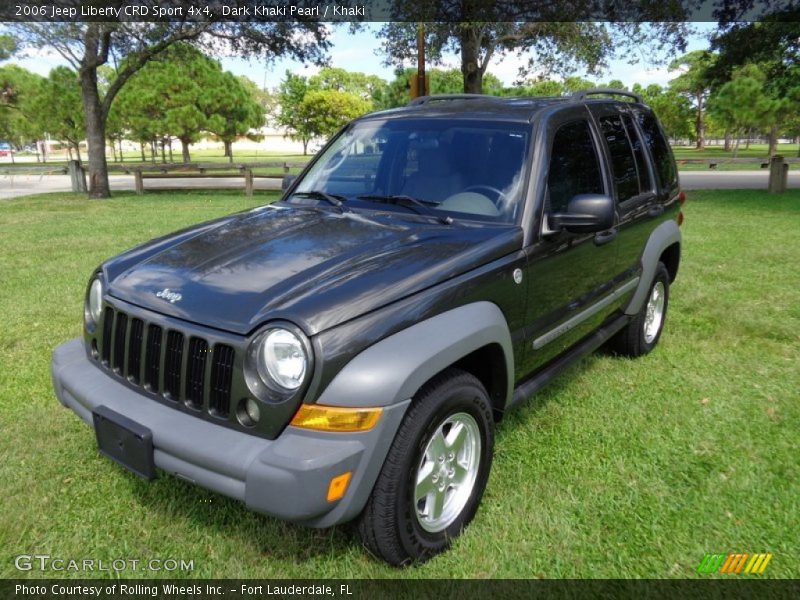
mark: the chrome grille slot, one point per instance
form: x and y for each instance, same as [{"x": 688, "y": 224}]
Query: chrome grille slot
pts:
[
  {"x": 108, "y": 326},
  {"x": 120, "y": 330},
  {"x": 196, "y": 371},
  {"x": 152, "y": 365},
  {"x": 173, "y": 361},
  {"x": 135, "y": 350},
  {"x": 219, "y": 398}
]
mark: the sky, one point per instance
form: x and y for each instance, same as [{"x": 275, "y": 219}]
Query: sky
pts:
[{"x": 358, "y": 52}]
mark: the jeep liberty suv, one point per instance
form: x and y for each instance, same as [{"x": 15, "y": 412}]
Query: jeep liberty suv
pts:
[{"x": 344, "y": 353}]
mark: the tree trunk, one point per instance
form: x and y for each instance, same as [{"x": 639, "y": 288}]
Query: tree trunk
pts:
[
  {"x": 229, "y": 150},
  {"x": 78, "y": 150},
  {"x": 141, "y": 147},
  {"x": 700, "y": 125},
  {"x": 171, "y": 159},
  {"x": 747, "y": 141},
  {"x": 153, "y": 151},
  {"x": 95, "y": 134},
  {"x": 163, "y": 152},
  {"x": 69, "y": 151},
  {"x": 114, "y": 150},
  {"x": 736, "y": 147},
  {"x": 185, "y": 150},
  {"x": 727, "y": 147},
  {"x": 773, "y": 141},
  {"x": 121, "y": 155},
  {"x": 470, "y": 67},
  {"x": 305, "y": 147}
]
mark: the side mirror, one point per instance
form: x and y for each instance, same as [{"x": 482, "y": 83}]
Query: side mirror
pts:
[
  {"x": 287, "y": 182},
  {"x": 586, "y": 213}
]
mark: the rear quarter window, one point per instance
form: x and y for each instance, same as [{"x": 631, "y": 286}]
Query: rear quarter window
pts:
[{"x": 659, "y": 149}]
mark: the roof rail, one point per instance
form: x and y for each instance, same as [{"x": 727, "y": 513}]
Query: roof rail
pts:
[
  {"x": 582, "y": 94},
  {"x": 426, "y": 99}
]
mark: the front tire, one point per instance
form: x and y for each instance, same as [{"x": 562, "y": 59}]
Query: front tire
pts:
[
  {"x": 641, "y": 335},
  {"x": 435, "y": 472}
]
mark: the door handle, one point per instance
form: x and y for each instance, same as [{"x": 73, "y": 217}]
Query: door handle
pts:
[
  {"x": 656, "y": 211},
  {"x": 604, "y": 237}
]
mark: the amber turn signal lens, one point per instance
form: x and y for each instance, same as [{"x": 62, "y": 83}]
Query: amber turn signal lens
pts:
[
  {"x": 334, "y": 418},
  {"x": 680, "y": 218},
  {"x": 338, "y": 486},
  {"x": 682, "y": 198}
]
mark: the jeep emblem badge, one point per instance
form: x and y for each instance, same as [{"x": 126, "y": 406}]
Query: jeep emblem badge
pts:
[
  {"x": 168, "y": 295},
  {"x": 517, "y": 276}
]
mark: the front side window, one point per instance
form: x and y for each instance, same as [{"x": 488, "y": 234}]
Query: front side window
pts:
[
  {"x": 472, "y": 169},
  {"x": 574, "y": 166}
]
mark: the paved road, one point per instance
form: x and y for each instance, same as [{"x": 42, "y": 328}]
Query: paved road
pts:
[
  {"x": 20, "y": 185},
  {"x": 731, "y": 180}
]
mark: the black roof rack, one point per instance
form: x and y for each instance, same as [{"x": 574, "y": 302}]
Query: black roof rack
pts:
[
  {"x": 581, "y": 95},
  {"x": 426, "y": 99}
]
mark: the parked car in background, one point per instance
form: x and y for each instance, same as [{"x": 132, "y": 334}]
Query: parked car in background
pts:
[{"x": 5, "y": 149}]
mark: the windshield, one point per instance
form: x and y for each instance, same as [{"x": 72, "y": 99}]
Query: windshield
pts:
[{"x": 464, "y": 167}]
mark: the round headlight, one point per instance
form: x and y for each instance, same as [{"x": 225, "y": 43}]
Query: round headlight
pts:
[
  {"x": 94, "y": 303},
  {"x": 282, "y": 359}
]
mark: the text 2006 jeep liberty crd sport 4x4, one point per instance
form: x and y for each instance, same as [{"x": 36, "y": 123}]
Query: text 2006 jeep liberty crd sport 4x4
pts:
[{"x": 344, "y": 353}]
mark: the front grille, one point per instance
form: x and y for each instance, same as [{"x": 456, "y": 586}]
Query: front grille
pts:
[{"x": 169, "y": 363}]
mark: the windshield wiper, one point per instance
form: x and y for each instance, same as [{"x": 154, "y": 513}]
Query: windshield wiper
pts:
[
  {"x": 421, "y": 207},
  {"x": 333, "y": 199}
]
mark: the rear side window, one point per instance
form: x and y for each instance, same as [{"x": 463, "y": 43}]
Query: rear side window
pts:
[
  {"x": 574, "y": 166},
  {"x": 623, "y": 163},
  {"x": 645, "y": 183},
  {"x": 654, "y": 138}
]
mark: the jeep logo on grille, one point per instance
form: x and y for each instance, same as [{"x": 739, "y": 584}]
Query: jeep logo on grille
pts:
[{"x": 168, "y": 295}]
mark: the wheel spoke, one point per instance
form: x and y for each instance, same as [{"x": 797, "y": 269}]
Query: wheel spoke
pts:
[
  {"x": 455, "y": 438},
  {"x": 425, "y": 484},
  {"x": 461, "y": 473},
  {"x": 435, "y": 504},
  {"x": 437, "y": 446}
]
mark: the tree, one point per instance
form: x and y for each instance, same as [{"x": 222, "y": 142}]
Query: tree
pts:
[
  {"x": 18, "y": 87},
  {"x": 88, "y": 46},
  {"x": 56, "y": 108},
  {"x": 397, "y": 92},
  {"x": 695, "y": 82},
  {"x": 327, "y": 111},
  {"x": 291, "y": 93},
  {"x": 480, "y": 32},
  {"x": 8, "y": 46},
  {"x": 673, "y": 109},
  {"x": 772, "y": 43},
  {"x": 232, "y": 111},
  {"x": 360, "y": 84},
  {"x": 742, "y": 103}
]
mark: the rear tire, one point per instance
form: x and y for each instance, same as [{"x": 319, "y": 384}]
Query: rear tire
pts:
[
  {"x": 435, "y": 472},
  {"x": 641, "y": 335}
]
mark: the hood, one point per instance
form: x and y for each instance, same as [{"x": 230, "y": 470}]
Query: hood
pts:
[{"x": 314, "y": 267}]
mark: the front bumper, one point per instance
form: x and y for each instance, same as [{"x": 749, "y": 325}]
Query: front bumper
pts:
[{"x": 287, "y": 477}]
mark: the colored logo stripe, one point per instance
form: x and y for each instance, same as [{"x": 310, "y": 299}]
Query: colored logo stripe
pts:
[{"x": 734, "y": 563}]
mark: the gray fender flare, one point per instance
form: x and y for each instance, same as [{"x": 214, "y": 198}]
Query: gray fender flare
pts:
[
  {"x": 393, "y": 369},
  {"x": 663, "y": 236}
]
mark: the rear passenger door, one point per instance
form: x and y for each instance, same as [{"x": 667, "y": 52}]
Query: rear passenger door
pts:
[{"x": 634, "y": 183}]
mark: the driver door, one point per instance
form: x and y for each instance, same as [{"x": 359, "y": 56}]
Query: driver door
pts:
[{"x": 570, "y": 275}]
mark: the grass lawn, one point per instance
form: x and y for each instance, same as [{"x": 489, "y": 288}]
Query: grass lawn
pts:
[
  {"x": 618, "y": 469},
  {"x": 717, "y": 152}
]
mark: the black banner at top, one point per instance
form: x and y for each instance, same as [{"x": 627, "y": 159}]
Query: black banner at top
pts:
[{"x": 397, "y": 10}]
